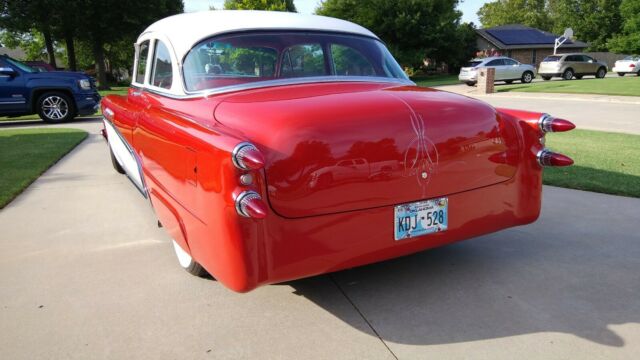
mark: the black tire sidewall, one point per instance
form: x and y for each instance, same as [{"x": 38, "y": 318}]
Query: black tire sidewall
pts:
[
  {"x": 524, "y": 76},
  {"x": 604, "y": 73},
  {"x": 568, "y": 71},
  {"x": 70, "y": 104}
]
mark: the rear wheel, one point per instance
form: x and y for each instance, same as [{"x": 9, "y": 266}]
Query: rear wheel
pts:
[
  {"x": 470, "y": 83},
  {"x": 527, "y": 77},
  {"x": 620, "y": 74},
  {"x": 602, "y": 72},
  {"x": 116, "y": 165},
  {"x": 186, "y": 262},
  {"x": 567, "y": 74},
  {"x": 546, "y": 78},
  {"x": 56, "y": 107}
]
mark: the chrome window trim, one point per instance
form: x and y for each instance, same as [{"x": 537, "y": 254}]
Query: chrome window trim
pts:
[{"x": 277, "y": 83}]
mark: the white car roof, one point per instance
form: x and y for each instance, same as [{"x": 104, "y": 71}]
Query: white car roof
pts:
[{"x": 186, "y": 30}]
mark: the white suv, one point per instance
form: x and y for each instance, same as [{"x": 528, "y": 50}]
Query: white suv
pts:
[{"x": 507, "y": 70}]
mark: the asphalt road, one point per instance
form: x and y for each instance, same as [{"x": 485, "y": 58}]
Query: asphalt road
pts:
[{"x": 85, "y": 273}]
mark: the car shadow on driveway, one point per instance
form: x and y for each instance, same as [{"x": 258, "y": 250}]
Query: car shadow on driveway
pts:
[{"x": 576, "y": 278}]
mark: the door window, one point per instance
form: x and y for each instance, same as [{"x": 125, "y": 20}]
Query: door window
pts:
[
  {"x": 162, "y": 74},
  {"x": 497, "y": 62},
  {"x": 141, "y": 66},
  {"x": 510, "y": 62}
]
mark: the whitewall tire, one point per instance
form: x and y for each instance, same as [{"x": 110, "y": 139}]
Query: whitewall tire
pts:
[{"x": 186, "y": 262}]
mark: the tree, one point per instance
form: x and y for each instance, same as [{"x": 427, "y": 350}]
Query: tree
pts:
[
  {"x": 593, "y": 21},
  {"x": 272, "y": 5},
  {"x": 532, "y": 13},
  {"x": 628, "y": 40},
  {"x": 99, "y": 17},
  {"x": 23, "y": 16},
  {"x": 413, "y": 29}
]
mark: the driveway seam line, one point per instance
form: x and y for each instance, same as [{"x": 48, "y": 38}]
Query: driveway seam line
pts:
[{"x": 362, "y": 316}]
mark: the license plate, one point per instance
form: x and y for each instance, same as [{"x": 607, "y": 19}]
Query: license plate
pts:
[{"x": 421, "y": 218}]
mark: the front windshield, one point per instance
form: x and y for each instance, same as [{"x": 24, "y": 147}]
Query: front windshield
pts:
[
  {"x": 632, "y": 58},
  {"x": 253, "y": 57},
  {"x": 22, "y": 66}
]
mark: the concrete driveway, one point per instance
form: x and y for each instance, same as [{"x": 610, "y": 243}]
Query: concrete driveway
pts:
[{"x": 85, "y": 273}]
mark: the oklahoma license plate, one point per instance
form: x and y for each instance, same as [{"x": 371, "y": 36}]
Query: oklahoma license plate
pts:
[{"x": 420, "y": 218}]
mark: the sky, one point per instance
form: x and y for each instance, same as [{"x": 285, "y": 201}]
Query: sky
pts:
[{"x": 469, "y": 8}]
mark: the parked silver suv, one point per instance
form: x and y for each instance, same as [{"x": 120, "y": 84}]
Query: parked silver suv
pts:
[
  {"x": 507, "y": 70},
  {"x": 569, "y": 66}
]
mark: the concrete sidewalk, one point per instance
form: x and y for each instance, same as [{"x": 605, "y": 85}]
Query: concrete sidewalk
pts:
[
  {"x": 85, "y": 273},
  {"x": 592, "y": 112}
]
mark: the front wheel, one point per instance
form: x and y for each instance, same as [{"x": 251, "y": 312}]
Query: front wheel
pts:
[
  {"x": 567, "y": 74},
  {"x": 56, "y": 107},
  {"x": 527, "y": 77},
  {"x": 186, "y": 262},
  {"x": 601, "y": 73}
]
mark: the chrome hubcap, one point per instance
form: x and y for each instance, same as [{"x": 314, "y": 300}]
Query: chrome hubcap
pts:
[
  {"x": 527, "y": 77},
  {"x": 55, "y": 107}
]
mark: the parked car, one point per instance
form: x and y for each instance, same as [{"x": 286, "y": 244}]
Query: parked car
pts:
[
  {"x": 225, "y": 124},
  {"x": 628, "y": 65},
  {"x": 506, "y": 69},
  {"x": 55, "y": 96},
  {"x": 568, "y": 66}
]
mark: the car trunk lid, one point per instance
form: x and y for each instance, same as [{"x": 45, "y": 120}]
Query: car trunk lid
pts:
[{"x": 346, "y": 146}]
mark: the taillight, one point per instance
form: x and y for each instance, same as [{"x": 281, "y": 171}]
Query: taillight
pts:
[
  {"x": 548, "y": 123},
  {"x": 250, "y": 204},
  {"x": 632, "y": 65},
  {"x": 246, "y": 156},
  {"x": 549, "y": 158}
]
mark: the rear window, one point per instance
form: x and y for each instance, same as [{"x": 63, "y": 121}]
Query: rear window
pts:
[
  {"x": 473, "y": 63},
  {"x": 244, "y": 58},
  {"x": 552, "y": 58}
]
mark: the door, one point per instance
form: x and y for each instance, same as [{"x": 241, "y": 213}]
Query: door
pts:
[
  {"x": 512, "y": 69},
  {"x": 13, "y": 97},
  {"x": 575, "y": 62},
  {"x": 498, "y": 65},
  {"x": 589, "y": 65}
]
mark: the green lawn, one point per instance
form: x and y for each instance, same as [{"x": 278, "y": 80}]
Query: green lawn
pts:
[
  {"x": 27, "y": 153},
  {"x": 436, "y": 80},
  {"x": 626, "y": 86},
  {"x": 604, "y": 162},
  {"x": 114, "y": 90}
]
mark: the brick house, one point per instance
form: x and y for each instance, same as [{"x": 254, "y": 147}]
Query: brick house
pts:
[{"x": 525, "y": 44}]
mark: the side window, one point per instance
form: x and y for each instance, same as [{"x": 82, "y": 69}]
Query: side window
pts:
[
  {"x": 141, "y": 66},
  {"x": 509, "y": 62},
  {"x": 572, "y": 58},
  {"x": 303, "y": 60},
  {"x": 350, "y": 62},
  {"x": 497, "y": 62},
  {"x": 162, "y": 74},
  {"x": 587, "y": 58}
]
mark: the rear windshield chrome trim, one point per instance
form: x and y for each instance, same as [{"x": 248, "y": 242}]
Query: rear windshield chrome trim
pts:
[
  {"x": 299, "y": 81},
  {"x": 279, "y": 82}
]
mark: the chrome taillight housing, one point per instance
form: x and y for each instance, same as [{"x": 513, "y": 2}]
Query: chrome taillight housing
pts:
[
  {"x": 547, "y": 157},
  {"x": 246, "y": 156},
  {"x": 548, "y": 123},
  {"x": 250, "y": 204}
]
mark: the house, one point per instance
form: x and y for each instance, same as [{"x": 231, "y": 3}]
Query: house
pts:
[{"x": 526, "y": 44}]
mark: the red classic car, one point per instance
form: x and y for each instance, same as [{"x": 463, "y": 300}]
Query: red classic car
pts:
[{"x": 274, "y": 146}]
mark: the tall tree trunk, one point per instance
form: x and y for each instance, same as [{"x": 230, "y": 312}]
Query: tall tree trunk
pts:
[
  {"x": 49, "y": 44},
  {"x": 71, "y": 51},
  {"x": 98, "y": 55}
]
